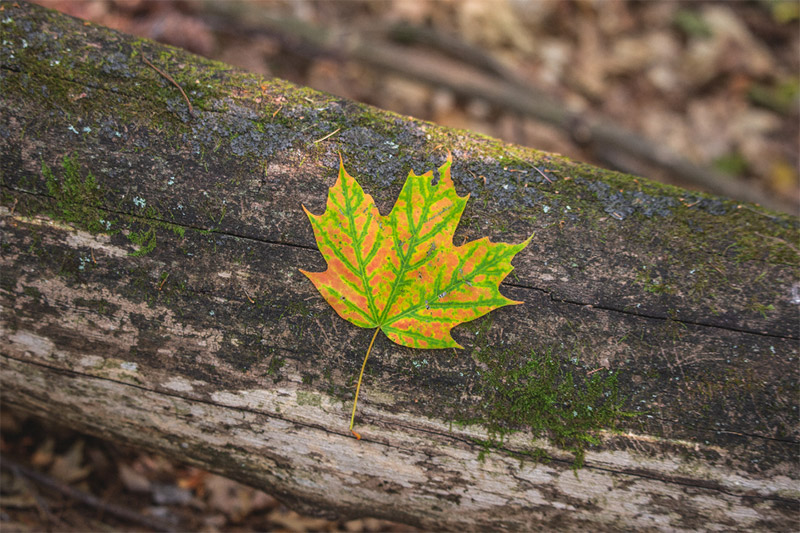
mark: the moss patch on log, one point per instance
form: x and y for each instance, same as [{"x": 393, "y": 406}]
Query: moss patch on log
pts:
[
  {"x": 78, "y": 200},
  {"x": 535, "y": 389}
]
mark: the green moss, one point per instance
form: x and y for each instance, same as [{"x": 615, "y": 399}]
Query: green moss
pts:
[
  {"x": 144, "y": 230},
  {"x": 145, "y": 239},
  {"x": 274, "y": 368},
  {"x": 653, "y": 284},
  {"x": 78, "y": 198},
  {"x": 766, "y": 242},
  {"x": 535, "y": 391},
  {"x": 32, "y": 292},
  {"x": 294, "y": 309},
  {"x": 760, "y": 308}
]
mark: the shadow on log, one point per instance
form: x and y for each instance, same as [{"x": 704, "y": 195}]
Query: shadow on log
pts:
[{"x": 150, "y": 294}]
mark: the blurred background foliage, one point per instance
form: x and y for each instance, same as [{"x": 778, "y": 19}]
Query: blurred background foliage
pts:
[{"x": 716, "y": 82}]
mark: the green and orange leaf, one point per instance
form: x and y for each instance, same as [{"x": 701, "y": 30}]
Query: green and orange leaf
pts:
[{"x": 402, "y": 273}]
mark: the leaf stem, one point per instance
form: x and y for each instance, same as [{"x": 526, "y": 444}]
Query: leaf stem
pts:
[{"x": 358, "y": 387}]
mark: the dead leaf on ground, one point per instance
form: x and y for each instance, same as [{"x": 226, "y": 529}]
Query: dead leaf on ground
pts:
[{"x": 69, "y": 467}]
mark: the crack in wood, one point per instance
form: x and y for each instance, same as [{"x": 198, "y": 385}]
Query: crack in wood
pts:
[{"x": 505, "y": 283}]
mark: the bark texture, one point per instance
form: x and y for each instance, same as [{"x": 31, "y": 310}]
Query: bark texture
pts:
[{"x": 150, "y": 293}]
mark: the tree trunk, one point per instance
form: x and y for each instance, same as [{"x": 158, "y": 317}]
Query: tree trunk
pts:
[{"x": 150, "y": 294}]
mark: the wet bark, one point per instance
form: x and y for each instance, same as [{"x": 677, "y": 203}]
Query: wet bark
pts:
[{"x": 150, "y": 294}]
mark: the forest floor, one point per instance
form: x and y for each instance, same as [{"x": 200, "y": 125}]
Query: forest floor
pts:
[
  {"x": 58, "y": 480},
  {"x": 717, "y": 82}
]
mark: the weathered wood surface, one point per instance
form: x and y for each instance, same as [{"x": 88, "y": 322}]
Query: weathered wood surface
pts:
[{"x": 213, "y": 348}]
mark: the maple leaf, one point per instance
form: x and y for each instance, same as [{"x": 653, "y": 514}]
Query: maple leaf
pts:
[{"x": 401, "y": 273}]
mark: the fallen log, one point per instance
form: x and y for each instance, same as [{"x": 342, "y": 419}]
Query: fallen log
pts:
[{"x": 150, "y": 294}]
